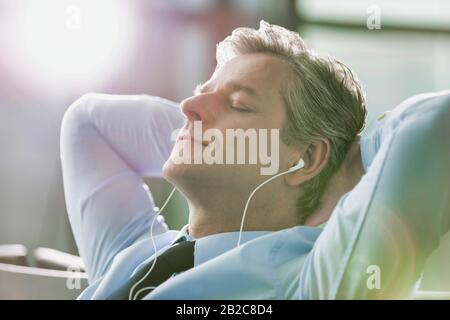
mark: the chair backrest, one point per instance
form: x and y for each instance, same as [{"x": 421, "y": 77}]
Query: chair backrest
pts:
[
  {"x": 19, "y": 282},
  {"x": 13, "y": 254}
]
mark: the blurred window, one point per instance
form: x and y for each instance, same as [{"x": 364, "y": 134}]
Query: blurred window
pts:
[{"x": 407, "y": 54}]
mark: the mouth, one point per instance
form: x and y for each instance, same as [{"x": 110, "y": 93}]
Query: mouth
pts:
[{"x": 191, "y": 138}]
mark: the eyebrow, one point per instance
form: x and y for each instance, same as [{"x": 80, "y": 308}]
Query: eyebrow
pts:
[{"x": 235, "y": 86}]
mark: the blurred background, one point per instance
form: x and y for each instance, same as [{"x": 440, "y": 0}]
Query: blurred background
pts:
[{"x": 53, "y": 51}]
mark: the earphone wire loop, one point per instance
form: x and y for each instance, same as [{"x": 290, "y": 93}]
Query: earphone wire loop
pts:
[{"x": 130, "y": 295}]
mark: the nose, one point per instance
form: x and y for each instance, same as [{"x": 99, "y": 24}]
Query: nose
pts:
[
  {"x": 190, "y": 109},
  {"x": 201, "y": 107}
]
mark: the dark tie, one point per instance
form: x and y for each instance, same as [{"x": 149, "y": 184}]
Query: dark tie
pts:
[{"x": 178, "y": 258}]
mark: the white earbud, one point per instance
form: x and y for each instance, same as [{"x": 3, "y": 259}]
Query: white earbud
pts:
[{"x": 300, "y": 164}]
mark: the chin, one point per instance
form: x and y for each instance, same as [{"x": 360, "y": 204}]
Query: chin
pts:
[
  {"x": 171, "y": 170},
  {"x": 176, "y": 173}
]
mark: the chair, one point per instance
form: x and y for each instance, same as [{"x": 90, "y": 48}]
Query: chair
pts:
[
  {"x": 13, "y": 254},
  {"x": 22, "y": 282}
]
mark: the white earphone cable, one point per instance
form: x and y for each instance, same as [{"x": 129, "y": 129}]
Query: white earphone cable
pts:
[
  {"x": 130, "y": 296},
  {"x": 250, "y": 197}
]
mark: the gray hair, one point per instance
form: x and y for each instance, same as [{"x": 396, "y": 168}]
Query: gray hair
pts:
[{"x": 323, "y": 98}]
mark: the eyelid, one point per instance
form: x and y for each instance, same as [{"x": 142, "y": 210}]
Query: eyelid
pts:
[
  {"x": 202, "y": 88},
  {"x": 240, "y": 107}
]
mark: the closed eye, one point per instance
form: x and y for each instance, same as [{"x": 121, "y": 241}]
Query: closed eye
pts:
[{"x": 240, "y": 109}]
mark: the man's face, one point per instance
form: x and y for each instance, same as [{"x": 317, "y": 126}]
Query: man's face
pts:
[{"x": 243, "y": 94}]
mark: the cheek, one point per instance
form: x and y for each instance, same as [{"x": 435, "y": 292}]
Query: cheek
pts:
[{"x": 286, "y": 155}]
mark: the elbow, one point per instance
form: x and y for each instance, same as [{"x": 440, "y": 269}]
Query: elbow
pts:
[
  {"x": 439, "y": 107},
  {"x": 75, "y": 111},
  {"x": 77, "y": 114},
  {"x": 75, "y": 119}
]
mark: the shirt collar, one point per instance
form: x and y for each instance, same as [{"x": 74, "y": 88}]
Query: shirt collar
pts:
[
  {"x": 209, "y": 247},
  {"x": 183, "y": 233}
]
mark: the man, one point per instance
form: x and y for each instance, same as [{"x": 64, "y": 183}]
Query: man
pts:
[{"x": 265, "y": 79}]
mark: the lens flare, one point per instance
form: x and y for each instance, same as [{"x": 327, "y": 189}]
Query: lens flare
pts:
[{"x": 67, "y": 42}]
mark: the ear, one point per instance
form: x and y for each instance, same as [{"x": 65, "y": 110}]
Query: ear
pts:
[{"x": 316, "y": 157}]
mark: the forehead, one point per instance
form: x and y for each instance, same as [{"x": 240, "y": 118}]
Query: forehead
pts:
[{"x": 263, "y": 72}]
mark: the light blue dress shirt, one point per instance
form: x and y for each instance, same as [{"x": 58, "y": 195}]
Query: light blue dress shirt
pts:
[
  {"x": 130, "y": 260},
  {"x": 386, "y": 226}
]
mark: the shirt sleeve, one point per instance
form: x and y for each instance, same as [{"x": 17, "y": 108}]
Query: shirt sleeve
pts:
[
  {"x": 108, "y": 144},
  {"x": 380, "y": 234}
]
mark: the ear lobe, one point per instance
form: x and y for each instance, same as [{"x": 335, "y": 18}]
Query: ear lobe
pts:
[
  {"x": 299, "y": 176},
  {"x": 315, "y": 158}
]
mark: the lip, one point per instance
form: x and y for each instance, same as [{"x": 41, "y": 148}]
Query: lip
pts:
[{"x": 189, "y": 137}]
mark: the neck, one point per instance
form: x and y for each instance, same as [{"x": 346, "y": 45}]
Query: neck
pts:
[
  {"x": 217, "y": 214},
  {"x": 344, "y": 180},
  {"x": 202, "y": 225}
]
